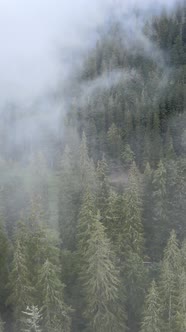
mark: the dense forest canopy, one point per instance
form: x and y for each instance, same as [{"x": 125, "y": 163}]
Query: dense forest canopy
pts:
[{"x": 92, "y": 214}]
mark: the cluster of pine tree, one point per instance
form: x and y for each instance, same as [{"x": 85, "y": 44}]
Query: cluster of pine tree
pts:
[{"x": 92, "y": 230}]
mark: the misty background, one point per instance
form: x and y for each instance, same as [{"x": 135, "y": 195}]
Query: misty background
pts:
[
  {"x": 92, "y": 165},
  {"x": 43, "y": 40}
]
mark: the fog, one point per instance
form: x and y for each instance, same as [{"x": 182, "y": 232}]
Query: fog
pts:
[{"x": 41, "y": 41}]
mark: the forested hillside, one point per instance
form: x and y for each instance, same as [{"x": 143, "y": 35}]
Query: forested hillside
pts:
[{"x": 93, "y": 216}]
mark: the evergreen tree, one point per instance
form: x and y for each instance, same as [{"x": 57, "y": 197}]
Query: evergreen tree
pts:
[
  {"x": 40, "y": 183},
  {"x": 32, "y": 319},
  {"x": 169, "y": 281},
  {"x": 134, "y": 275},
  {"x": 114, "y": 218},
  {"x": 133, "y": 229},
  {"x": 4, "y": 255},
  {"x": 151, "y": 321},
  {"x": 101, "y": 283},
  {"x": 160, "y": 209},
  {"x": 169, "y": 148},
  {"x": 39, "y": 244},
  {"x": 86, "y": 221},
  {"x": 156, "y": 141},
  {"x": 86, "y": 165},
  {"x": 69, "y": 198},
  {"x": 102, "y": 187},
  {"x": 55, "y": 313},
  {"x": 21, "y": 292},
  {"x": 147, "y": 212},
  {"x": 114, "y": 141},
  {"x": 181, "y": 311},
  {"x": 127, "y": 156}
]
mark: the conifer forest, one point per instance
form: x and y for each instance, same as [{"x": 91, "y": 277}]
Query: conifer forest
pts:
[{"x": 93, "y": 213}]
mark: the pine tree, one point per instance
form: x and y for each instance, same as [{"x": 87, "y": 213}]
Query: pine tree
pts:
[
  {"x": 86, "y": 165},
  {"x": 151, "y": 321},
  {"x": 147, "y": 212},
  {"x": 55, "y": 313},
  {"x": 4, "y": 255},
  {"x": 32, "y": 319},
  {"x": 114, "y": 218},
  {"x": 134, "y": 275},
  {"x": 133, "y": 229},
  {"x": 114, "y": 141},
  {"x": 101, "y": 284},
  {"x": 169, "y": 281},
  {"x": 86, "y": 221},
  {"x": 21, "y": 292},
  {"x": 181, "y": 311},
  {"x": 39, "y": 244},
  {"x": 133, "y": 271},
  {"x": 102, "y": 188},
  {"x": 69, "y": 198},
  {"x": 177, "y": 205},
  {"x": 169, "y": 148},
  {"x": 156, "y": 141},
  {"x": 127, "y": 156},
  {"x": 160, "y": 209},
  {"x": 40, "y": 183}
]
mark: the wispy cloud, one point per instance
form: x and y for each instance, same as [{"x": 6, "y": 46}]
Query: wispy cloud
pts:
[{"x": 40, "y": 40}]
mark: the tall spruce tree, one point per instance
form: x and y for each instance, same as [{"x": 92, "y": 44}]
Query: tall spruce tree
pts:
[
  {"x": 147, "y": 212},
  {"x": 181, "y": 311},
  {"x": 169, "y": 281},
  {"x": 161, "y": 226},
  {"x": 133, "y": 229},
  {"x": 114, "y": 218},
  {"x": 86, "y": 221},
  {"x": 4, "y": 259},
  {"x": 86, "y": 165},
  {"x": 133, "y": 271},
  {"x": 55, "y": 313},
  {"x": 69, "y": 198},
  {"x": 21, "y": 292},
  {"x": 101, "y": 284},
  {"x": 102, "y": 187},
  {"x": 151, "y": 320}
]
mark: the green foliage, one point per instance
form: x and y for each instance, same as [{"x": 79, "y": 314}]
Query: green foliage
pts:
[
  {"x": 21, "y": 292},
  {"x": 133, "y": 229},
  {"x": 147, "y": 211},
  {"x": 32, "y": 318},
  {"x": 4, "y": 258},
  {"x": 169, "y": 281},
  {"x": 131, "y": 124},
  {"x": 160, "y": 209},
  {"x": 86, "y": 222},
  {"x": 55, "y": 313},
  {"x": 101, "y": 283},
  {"x": 127, "y": 156},
  {"x": 135, "y": 279},
  {"x": 86, "y": 165},
  {"x": 69, "y": 198},
  {"x": 102, "y": 193},
  {"x": 114, "y": 141},
  {"x": 114, "y": 218},
  {"x": 152, "y": 311}
]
